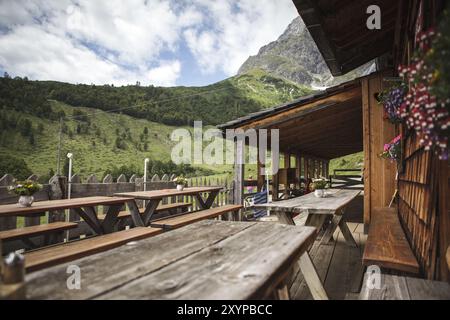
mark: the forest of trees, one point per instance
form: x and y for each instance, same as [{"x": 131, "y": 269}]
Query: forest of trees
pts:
[{"x": 213, "y": 104}]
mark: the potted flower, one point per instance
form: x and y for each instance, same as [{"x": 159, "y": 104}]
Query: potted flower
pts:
[
  {"x": 25, "y": 189},
  {"x": 181, "y": 182},
  {"x": 392, "y": 149},
  {"x": 319, "y": 186}
]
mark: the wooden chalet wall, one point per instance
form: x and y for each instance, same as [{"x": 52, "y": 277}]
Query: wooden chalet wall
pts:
[
  {"x": 424, "y": 198},
  {"x": 379, "y": 174},
  {"x": 423, "y": 194}
]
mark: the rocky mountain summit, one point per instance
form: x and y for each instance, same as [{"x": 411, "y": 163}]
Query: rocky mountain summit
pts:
[{"x": 295, "y": 56}]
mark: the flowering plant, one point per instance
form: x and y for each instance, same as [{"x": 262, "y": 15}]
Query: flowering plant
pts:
[
  {"x": 319, "y": 184},
  {"x": 391, "y": 100},
  {"x": 392, "y": 149},
  {"x": 181, "y": 181},
  {"x": 25, "y": 188},
  {"x": 425, "y": 109}
]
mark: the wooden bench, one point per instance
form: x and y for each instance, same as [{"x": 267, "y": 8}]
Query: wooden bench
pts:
[
  {"x": 387, "y": 245},
  {"x": 50, "y": 256},
  {"x": 188, "y": 218},
  {"x": 160, "y": 209},
  {"x": 393, "y": 287},
  {"x": 55, "y": 229}
]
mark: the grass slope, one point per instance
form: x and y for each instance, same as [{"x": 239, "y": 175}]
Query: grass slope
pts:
[{"x": 91, "y": 154}]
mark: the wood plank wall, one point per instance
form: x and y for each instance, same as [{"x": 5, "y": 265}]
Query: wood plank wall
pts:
[
  {"x": 379, "y": 174},
  {"x": 423, "y": 198}
]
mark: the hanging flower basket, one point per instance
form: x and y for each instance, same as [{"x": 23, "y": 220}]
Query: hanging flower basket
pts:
[
  {"x": 427, "y": 103},
  {"x": 392, "y": 99}
]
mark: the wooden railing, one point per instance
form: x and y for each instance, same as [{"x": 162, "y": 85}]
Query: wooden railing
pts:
[{"x": 340, "y": 180}]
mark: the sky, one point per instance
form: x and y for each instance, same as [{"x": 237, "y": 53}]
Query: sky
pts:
[{"x": 120, "y": 42}]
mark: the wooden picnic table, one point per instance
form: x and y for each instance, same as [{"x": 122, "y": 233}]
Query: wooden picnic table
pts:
[
  {"x": 84, "y": 207},
  {"x": 317, "y": 209},
  {"x": 154, "y": 197},
  {"x": 205, "y": 260}
]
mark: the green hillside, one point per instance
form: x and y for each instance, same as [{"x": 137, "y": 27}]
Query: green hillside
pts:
[
  {"x": 353, "y": 161},
  {"x": 213, "y": 104},
  {"x": 107, "y": 133},
  {"x": 109, "y": 141}
]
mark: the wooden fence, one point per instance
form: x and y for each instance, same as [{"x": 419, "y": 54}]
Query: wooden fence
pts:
[{"x": 57, "y": 189}]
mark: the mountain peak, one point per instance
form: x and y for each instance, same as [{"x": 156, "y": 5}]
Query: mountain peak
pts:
[{"x": 295, "y": 56}]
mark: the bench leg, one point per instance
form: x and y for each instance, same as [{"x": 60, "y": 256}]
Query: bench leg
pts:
[
  {"x": 312, "y": 278},
  {"x": 282, "y": 293}
]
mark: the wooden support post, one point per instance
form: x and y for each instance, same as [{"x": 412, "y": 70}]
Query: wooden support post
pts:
[
  {"x": 259, "y": 176},
  {"x": 306, "y": 167},
  {"x": 298, "y": 170},
  {"x": 239, "y": 176},
  {"x": 287, "y": 165}
]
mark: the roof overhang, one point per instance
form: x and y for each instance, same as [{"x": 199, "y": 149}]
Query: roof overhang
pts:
[
  {"x": 339, "y": 28},
  {"x": 326, "y": 125}
]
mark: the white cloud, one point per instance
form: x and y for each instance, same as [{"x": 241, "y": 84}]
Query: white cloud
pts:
[
  {"x": 238, "y": 29},
  {"x": 166, "y": 74},
  {"x": 121, "y": 42}
]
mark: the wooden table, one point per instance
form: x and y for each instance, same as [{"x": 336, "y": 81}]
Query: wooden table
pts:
[
  {"x": 84, "y": 207},
  {"x": 206, "y": 260},
  {"x": 317, "y": 209},
  {"x": 154, "y": 197}
]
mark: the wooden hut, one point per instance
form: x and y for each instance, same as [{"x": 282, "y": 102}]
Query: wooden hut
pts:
[{"x": 348, "y": 118}]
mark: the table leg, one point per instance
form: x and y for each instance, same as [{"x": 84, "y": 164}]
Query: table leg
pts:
[
  {"x": 312, "y": 278},
  {"x": 111, "y": 218},
  {"x": 328, "y": 234},
  {"x": 144, "y": 219},
  {"x": 209, "y": 201},
  {"x": 347, "y": 234},
  {"x": 316, "y": 220},
  {"x": 135, "y": 213},
  {"x": 150, "y": 210},
  {"x": 89, "y": 216},
  {"x": 338, "y": 221},
  {"x": 285, "y": 218}
]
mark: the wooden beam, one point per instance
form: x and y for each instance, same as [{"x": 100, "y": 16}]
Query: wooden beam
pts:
[
  {"x": 239, "y": 177},
  {"x": 367, "y": 152}
]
